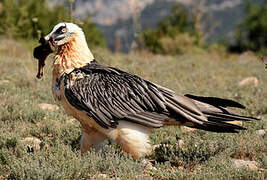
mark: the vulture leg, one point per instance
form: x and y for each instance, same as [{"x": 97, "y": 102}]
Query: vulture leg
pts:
[
  {"x": 133, "y": 139},
  {"x": 91, "y": 137}
]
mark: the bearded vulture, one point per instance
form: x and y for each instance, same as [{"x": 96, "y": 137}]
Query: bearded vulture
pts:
[{"x": 113, "y": 104}]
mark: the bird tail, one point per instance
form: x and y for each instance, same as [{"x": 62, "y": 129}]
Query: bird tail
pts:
[{"x": 219, "y": 118}]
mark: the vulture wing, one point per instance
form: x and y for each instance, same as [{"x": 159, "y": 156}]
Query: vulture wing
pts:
[{"x": 109, "y": 95}]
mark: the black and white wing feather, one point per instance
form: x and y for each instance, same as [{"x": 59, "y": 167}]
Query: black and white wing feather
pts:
[{"x": 109, "y": 95}]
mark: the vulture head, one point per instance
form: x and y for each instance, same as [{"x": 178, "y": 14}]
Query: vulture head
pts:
[{"x": 62, "y": 34}]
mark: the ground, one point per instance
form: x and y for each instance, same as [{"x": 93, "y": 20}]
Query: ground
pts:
[{"x": 38, "y": 141}]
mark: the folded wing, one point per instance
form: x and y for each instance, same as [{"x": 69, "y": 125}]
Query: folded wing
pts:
[{"x": 110, "y": 95}]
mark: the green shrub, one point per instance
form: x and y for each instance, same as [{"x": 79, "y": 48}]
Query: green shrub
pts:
[
  {"x": 22, "y": 18},
  {"x": 11, "y": 142},
  {"x": 174, "y": 35},
  {"x": 182, "y": 43},
  {"x": 195, "y": 150},
  {"x": 251, "y": 33},
  {"x": 32, "y": 19}
]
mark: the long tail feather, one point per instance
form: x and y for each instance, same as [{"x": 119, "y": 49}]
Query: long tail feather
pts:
[
  {"x": 219, "y": 127},
  {"x": 216, "y": 101},
  {"x": 215, "y": 109}
]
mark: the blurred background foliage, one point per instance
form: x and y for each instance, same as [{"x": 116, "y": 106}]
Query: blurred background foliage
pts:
[
  {"x": 27, "y": 19},
  {"x": 177, "y": 33},
  {"x": 173, "y": 35},
  {"x": 251, "y": 34}
]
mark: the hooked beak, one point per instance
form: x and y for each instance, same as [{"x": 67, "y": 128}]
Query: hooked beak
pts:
[
  {"x": 41, "y": 52},
  {"x": 53, "y": 38}
]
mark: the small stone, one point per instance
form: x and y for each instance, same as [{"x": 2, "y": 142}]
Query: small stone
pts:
[
  {"x": 31, "y": 139},
  {"x": 186, "y": 129},
  {"x": 249, "y": 80},
  {"x": 104, "y": 176},
  {"x": 155, "y": 146},
  {"x": 38, "y": 124},
  {"x": 33, "y": 144},
  {"x": 144, "y": 162},
  {"x": 50, "y": 135},
  {"x": 253, "y": 165},
  {"x": 71, "y": 120},
  {"x": 181, "y": 143},
  {"x": 47, "y": 147},
  {"x": 49, "y": 107},
  {"x": 149, "y": 166},
  {"x": 4, "y": 81},
  {"x": 261, "y": 132}
]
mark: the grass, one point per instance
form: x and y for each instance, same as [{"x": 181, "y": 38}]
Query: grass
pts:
[{"x": 204, "y": 155}]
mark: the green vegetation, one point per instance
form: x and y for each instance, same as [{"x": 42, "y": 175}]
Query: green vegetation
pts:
[
  {"x": 251, "y": 33},
  {"x": 28, "y": 19},
  {"x": 175, "y": 34},
  {"x": 179, "y": 32},
  {"x": 204, "y": 155}
]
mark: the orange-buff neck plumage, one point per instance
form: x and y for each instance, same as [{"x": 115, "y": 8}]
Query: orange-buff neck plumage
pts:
[{"x": 73, "y": 54}]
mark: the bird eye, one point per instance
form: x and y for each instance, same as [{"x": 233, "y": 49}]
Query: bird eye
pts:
[
  {"x": 61, "y": 30},
  {"x": 64, "y": 30}
]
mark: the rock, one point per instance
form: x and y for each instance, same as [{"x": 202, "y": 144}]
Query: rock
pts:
[
  {"x": 249, "y": 80},
  {"x": 4, "y": 81},
  {"x": 31, "y": 139},
  {"x": 144, "y": 161},
  {"x": 155, "y": 146},
  {"x": 38, "y": 124},
  {"x": 101, "y": 176},
  {"x": 46, "y": 146},
  {"x": 253, "y": 165},
  {"x": 50, "y": 135},
  {"x": 33, "y": 144},
  {"x": 4, "y": 176},
  {"x": 71, "y": 120},
  {"x": 180, "y": 143},
  {"x": 49, "y": 107},
  {"x": 186, "y": 129},
  {"x": 261, "y": 132},
  {"x": 149, "y": 166}
]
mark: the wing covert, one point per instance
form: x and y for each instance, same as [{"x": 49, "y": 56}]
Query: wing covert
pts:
[{"x": 109, "y": 95}]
